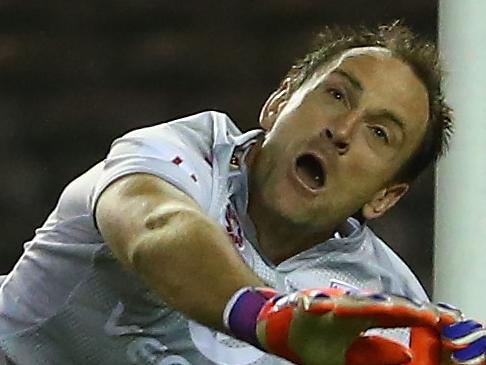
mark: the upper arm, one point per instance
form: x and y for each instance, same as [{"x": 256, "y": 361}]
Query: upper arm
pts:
[{"x": 133, "y": 206}]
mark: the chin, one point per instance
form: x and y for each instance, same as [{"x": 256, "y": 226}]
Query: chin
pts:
[{"x": 293, "y": 208}]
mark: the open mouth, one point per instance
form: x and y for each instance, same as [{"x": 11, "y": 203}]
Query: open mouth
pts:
[{"x": 311, "y": 171}]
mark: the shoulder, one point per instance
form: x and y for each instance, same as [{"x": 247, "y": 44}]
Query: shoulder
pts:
[
  {"x": 188, "y": 142},
  {"x": 179, "y": 152},
  {"x": 400, "y": 278},
  {"x": 198, "y": 130}
]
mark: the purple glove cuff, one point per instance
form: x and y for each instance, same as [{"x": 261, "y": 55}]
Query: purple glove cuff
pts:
[{"x": 241, "y": 313}]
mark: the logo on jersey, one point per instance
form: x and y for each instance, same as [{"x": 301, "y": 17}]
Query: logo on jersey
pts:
[
  {"x": 222, "y": 349},
  {"x": 146, "y": 350},
  {"x": 335, "y": 283},
  {"x": 232, "y": 226}
]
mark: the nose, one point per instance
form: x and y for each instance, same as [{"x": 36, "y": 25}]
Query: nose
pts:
[{"x": 340, "y": 132}]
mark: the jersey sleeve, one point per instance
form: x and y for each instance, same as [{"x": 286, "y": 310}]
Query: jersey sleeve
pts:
[{"x": 157, "y": 151}]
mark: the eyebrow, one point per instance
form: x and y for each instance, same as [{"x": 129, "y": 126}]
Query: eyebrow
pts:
[
  {"x": 356, "y": 84},
  {"x": 352, "y": 80},
  {"x": 391, "y": 116}
]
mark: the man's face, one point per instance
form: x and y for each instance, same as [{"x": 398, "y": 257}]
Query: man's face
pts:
[{"x": 334, "y": 145}]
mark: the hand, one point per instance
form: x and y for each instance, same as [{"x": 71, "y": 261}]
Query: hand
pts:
[{"x": 323, "y": 326}]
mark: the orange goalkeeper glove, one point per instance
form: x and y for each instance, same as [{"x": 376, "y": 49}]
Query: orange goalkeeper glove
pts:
[{"x": 325, "y": 326}]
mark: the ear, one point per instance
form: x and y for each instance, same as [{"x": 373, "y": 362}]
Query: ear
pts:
[
  {"x": 274, "y": 104},
  {"x": 384, "y": 200}
]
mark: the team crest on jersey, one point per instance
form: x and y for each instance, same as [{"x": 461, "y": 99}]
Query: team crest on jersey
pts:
[{"x": 233, "y": 228}]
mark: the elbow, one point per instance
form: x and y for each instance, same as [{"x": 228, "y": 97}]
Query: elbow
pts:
[
  {"x": 163, "y": 255},
  {"x": 165, "y": 233},
  {"x": 168, "y": 217}
]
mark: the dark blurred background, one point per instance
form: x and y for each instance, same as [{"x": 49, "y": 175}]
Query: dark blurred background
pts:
[{"x": 75, "y": 75}]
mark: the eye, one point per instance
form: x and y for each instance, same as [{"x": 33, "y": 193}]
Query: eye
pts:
[
  {"x": 379, "y": 133},
  {"x": 336, "y": 94}
]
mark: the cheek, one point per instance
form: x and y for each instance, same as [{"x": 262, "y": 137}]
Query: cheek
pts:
[
  {"x": 366, "y": 175},
  {"x": 280, "y": 136},
  {"x": 371, "y": 160}
]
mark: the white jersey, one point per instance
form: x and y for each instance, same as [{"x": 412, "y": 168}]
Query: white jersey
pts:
[{"x": 68, "y": 301}]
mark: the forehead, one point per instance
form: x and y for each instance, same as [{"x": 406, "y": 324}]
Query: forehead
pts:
[
  {"x": 387, "y": 83},
  {"x": 379, "y": 69},
  {"x": 390, "y": 81}
]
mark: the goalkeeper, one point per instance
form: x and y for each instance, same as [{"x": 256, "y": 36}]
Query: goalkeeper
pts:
[{"x": 191, "y": 226}]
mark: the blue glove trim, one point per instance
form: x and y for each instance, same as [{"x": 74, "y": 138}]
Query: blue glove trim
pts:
[
  {"x": 460, "y": 329},
  {"x": 475, "y": 350}
]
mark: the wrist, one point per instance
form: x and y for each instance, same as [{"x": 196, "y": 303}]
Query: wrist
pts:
[{"x": 241, "y": 313}]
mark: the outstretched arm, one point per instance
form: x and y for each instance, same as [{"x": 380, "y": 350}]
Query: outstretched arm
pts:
[{"x": 161, "y": 233}]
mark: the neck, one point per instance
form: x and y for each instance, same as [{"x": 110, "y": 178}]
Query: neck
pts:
[{"x": 278, "y": 237}]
